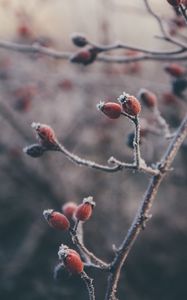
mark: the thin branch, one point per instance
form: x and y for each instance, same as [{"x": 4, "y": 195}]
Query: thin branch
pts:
[
  {"x": 183, "y": 12},
  {"x": 148, "y": 55},
  {"x": 137, "y": 156},
  {"x": 143, "y": 213},
  {"x": 89, "y": 284},
  {"x": 94, "y": 259},
  {"x": 162, "y": 122}
]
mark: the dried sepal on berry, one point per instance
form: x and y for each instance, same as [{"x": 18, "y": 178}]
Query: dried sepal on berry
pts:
[
  {"x": 79, "y": 40},
  {"x": 130, "y": 104},
  {"x": 71, "y": 259},
  {"x": 69, "y": 209},
  {"x": 45, "y": 135},
  {"x": 56, "y": 219},
  {"x": 34, "y": 150},
  {"x": 85, "y": 209},
  {"x": 85, "y": 56},
  {"x": 148, "y": 98},
  {"x": 110, "y": 109}
]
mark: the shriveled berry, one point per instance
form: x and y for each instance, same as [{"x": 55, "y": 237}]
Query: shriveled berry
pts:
[
  {"x": 174, "y": 2},
  {"x": 84, "y": 210},
  {"x": 175, "y": 70},
  {"x": 130, "y": 104},
  {"x": 85, "y": 56},
  {"x": 79, "y": 40},
  {"x": 148, "y": 98},
  {"x": 69, "y": 209},
  {"x": 34, "y": 150},
  {"x": 45, "y": 134},
  {"x": 110, "y": 109},
  {"x": 56, "y": 219}
]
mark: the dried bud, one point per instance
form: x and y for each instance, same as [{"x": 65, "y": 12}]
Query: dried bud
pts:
[
  {"x": 79, "y": 40},
  {"x": 130, "y": 104},
  {"x": 174, "y": 2},
  {"x": 56, "y": 219},
  {"x": 84, "y": 210},
  {"x": 175, "y": 70},
  {"x": 69, "y": 209},
  {"x": 45, "y": 134},
  {"x": 85, "y": 56},
  {"x": 71, "y": 259},
  {"x": 178, "y": 86},
  {"x": 148, "y": 98},
  {"x": 34, "y": 150},
  {"x": 110, "y": 109}
]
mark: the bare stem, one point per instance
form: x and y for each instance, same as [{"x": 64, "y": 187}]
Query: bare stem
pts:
[
  {"x": 183, "y": 12},
  {"x": 143, "y": 213},
  {"x": 137, "y": 156},
  {"x": 89, "y": 284},
  {"x": 94, "y": 259}
]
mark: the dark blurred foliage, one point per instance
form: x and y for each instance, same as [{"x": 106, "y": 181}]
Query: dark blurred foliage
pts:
[{"x": 64, "y": 96}]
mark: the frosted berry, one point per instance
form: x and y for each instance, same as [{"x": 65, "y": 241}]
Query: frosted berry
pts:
[
  {"x": 56, "y": 219},
  {"x": 71, "y": 260},
  {"x": 45, "y": 134},
  {"x": 79, "y": 40},
  {"x": 148, "y": 98},
  {"x": 130, "y": 104},
  {"x": 84, "y": 210},
  {"x": 110, "y": 109},
  {"x": 69, "y": 209},
  {"x": 34, "y": 150},
  {"x": 175, "y": 70}
]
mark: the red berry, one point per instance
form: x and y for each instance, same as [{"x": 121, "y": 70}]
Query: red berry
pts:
[
  {"x": 56, "y": 219},
  {"x": 85, "y": 56},
  {"x": 71, "y": 259},
  {"x": 184, "y": 2},
  {"x": 69, "y": 209},
  {"x": 169, "y": 98},
  {"x": 148, "y": 98},
  {"x": 174, "y": 2},
  {"x": 110, "y": 109},
  {"x": 84, "y": 210},
  {"x": 130, "y": 104},
  {"x": 24, "y": 31},
  {"x": 45, "y": 134},
  {"x": 73, "y": 263},
  {"x": 175, "y": 70}
]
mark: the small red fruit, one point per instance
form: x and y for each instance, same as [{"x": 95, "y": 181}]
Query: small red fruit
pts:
[
  {"x": 85, "y": 56},
  {"x": 148, "y": 98},
  {"x": 110, "y": 109},
  {"x": 169, "y": 98},
  {"x": 175, "y": 70},
  {"x": 71, "y": 260},
  {"x": 69, "y": 209},
  {"x": 45, "y": 134},
  {"x": 84, "y": 210},
  {"x": 174, "y": 2},
  {"x": 184, "y": 2},
  {"x": 56, "y": 219},
  {"x": 130, "y": 104}
]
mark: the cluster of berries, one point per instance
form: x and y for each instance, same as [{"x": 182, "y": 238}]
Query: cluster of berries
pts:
[{"x": 62, "y": 221}]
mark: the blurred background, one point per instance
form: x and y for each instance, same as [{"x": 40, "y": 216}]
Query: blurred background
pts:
[{"x": 64, "y": 96}]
